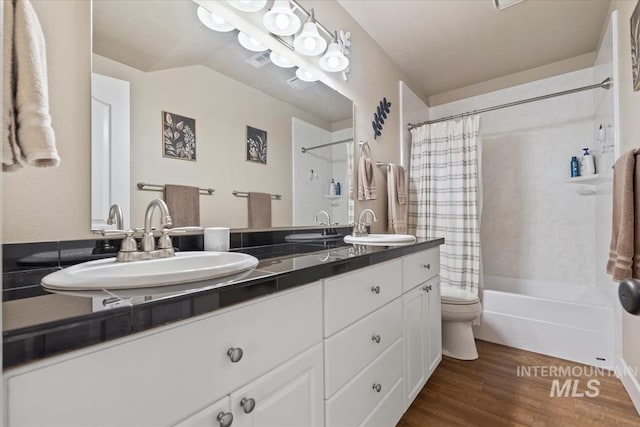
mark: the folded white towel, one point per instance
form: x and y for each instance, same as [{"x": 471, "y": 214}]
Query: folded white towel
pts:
[{"x": 26, "y": 123}]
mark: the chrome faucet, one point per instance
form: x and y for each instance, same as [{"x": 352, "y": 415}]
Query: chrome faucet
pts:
[
  {"x": 325, "y": 213},
  {"x": 115, "y": 216},
  {"x": 360, "y": 228},
  {"x": 148, "y": 242}
]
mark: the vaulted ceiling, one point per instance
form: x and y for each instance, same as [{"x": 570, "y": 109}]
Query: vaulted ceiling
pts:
[{"x": 443, "y": 45}]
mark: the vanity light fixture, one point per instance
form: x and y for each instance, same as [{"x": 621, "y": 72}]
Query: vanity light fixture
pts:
[
  {"x": 334, "y": 60},
  {"x": 280, "y": 60},
  {"x": 213, "y": 21},
  {"x": 281, "y": 20},
  {"x": 250, "y": 43},
  {"x": 248, "y": 5},
  {"x": 305, "y": 76},
  {"x": 309, "y": 42}
]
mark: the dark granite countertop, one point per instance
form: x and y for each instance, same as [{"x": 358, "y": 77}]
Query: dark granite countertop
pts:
[{"x": 38, "y": 323}]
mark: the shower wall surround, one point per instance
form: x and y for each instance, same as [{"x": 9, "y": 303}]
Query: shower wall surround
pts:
[{"x": 534, "y": 226}]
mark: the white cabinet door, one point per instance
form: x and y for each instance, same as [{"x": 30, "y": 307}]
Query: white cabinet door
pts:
[
  {"x": 415, "y": 337},
  {"x": 216, "y": 415},
  {"x": 290, "y": 395},
  {"x": 434, "y": 325}
]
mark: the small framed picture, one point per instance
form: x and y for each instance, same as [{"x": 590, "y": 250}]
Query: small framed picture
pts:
[
  {"x": 179, "y": 137},
  {"x": 256, "y": 145},
  {"x": 635, "y": 47}
]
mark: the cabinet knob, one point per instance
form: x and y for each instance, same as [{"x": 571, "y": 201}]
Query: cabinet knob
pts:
[
  {"x": 235, "y": 354},
  {"x": 427, "y": 266},
  {"x": 377, "y": 387},
  {"x": 225, "y": 419},
  {"x": 427, "y": 288},
  {"x": 247, "y": 405},
  {"x": 375, "y": 289},
  {"x": 376, "y": 338}
]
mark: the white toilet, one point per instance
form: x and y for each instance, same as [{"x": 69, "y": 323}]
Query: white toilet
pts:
[{"x": 459, "y": 309}]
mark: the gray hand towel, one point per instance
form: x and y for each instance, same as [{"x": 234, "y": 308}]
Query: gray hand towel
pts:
[
  {"x": 625, "y": 232},
  {"x": 27, "y": 134},
  {"x": 397, "y": 212},
  {"x": 184, "y": 204},
  {"x": 259, "y": 210},
  {"x": 366, "y": 183}
]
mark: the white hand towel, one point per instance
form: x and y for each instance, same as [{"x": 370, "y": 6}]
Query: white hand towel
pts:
[{"x": 26, "y": 132}]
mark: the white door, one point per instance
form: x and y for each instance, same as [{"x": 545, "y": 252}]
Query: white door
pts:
[
  {"x": 110, "y": 135},
  {"x": 434, "y": 325},
  {"x": 415, "y": 342},
  {"x": 289, "y": 396},
  {"x": 215, "y": 415}
]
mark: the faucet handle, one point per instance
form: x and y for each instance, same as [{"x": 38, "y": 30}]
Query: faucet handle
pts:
[
  {"x": 183, "y": 230},
  {"x": 164, "y": 242}
]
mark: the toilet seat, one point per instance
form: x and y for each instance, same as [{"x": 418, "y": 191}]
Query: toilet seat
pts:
[{"x": 454, "y": 296}]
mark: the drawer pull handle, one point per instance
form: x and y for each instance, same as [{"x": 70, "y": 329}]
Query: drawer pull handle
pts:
[
  {"x": 225, "y": 419},
  {"x": 376, "y": 338},
  {"x": 235, "y": 354},
  {"x": 427, "y": 288},
  {"x": 375, "y": 289},
  {"x": 427, "y": 266},
  {"x": 377, "y": 387},
  {"x": 247, "y": 405}
]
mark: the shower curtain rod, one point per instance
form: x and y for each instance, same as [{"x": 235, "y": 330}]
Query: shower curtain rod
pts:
[
  {"x": 605, "y": 84},
  {"x": 304, "y": 149}
]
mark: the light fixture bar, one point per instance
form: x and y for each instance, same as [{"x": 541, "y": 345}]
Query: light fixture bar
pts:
[{"x": 308, "y": 15}]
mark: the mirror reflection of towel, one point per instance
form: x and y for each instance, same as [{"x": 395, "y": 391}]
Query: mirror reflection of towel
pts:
[
  {"x": 184, "y": 204},
  {"x": 259, "y": 210}
]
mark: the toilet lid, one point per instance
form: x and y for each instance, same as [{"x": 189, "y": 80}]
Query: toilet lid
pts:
[{"x": 452, "y": 295}]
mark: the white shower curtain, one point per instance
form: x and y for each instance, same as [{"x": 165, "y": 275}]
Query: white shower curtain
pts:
[{"x": 445, "y": 195}]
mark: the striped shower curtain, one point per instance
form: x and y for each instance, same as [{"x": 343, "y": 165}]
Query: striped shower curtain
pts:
[{"x": 445, "y": 195}]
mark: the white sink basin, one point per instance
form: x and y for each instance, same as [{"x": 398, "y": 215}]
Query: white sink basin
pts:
[
  {"x": 182, "y": 268},
  {"x": 381, "y": 239}
]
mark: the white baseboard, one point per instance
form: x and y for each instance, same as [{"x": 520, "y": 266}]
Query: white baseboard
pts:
[{"x": 630, "y": 384}]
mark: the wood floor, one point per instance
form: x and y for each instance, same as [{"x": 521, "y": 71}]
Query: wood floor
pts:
[{"x": 488, "y": 392}]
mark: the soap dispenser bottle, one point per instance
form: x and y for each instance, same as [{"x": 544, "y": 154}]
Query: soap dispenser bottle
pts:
[
  {"x": 575, "y": 167},
  {"x": 332, "y": 188},
  {"x": 588, "y": 166}
]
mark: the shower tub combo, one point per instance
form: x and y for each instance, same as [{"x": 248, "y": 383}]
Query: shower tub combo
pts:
[{"x": 561, "y": 320}]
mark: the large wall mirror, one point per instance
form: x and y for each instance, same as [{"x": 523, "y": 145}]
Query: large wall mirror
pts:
[{"x": 174, "y": 102}]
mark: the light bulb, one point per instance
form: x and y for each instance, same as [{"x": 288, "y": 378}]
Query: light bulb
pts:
[
  {"x": 282, "y": 21},
  {"x": 255, "y": 42},
  {"x": 333, "y": 62},
  {"x": 309, "y": 43}
]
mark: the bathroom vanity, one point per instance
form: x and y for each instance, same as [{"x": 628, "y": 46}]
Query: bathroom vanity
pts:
[{"x": 341, "y": 336}]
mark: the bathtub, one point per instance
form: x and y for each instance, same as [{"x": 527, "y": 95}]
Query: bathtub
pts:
[{"x": 566, "y": 321}]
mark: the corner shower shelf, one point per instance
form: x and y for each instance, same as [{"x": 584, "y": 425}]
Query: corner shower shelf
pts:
[
  {"x": 335, "y": 200},
  {"x": 588, "y": 183},
  {"x": 590, "y": 179}
]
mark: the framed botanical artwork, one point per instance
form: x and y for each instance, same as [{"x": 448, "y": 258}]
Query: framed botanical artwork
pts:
[
  {"x": 256, "y": 145},
  {"x": 179, "y": 137},
  {"x": 635, "y": 47}
]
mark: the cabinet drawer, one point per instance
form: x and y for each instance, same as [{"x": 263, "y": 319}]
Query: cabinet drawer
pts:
[
  {"x": 389, "y": 411},
  {"x": 352, "y": 296},
  {"x": 356, "y": 400},
  {"x": 420, "y": 267},
  {"x": 350, "y": 350},
  {"x": 212, "y": 415},
  {"x": 186, "y": 365}
]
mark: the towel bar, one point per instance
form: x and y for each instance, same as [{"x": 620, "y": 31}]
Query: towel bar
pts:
[
  {"x": 246, "y": 194},
  {"x": 157, "y": 187}
]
